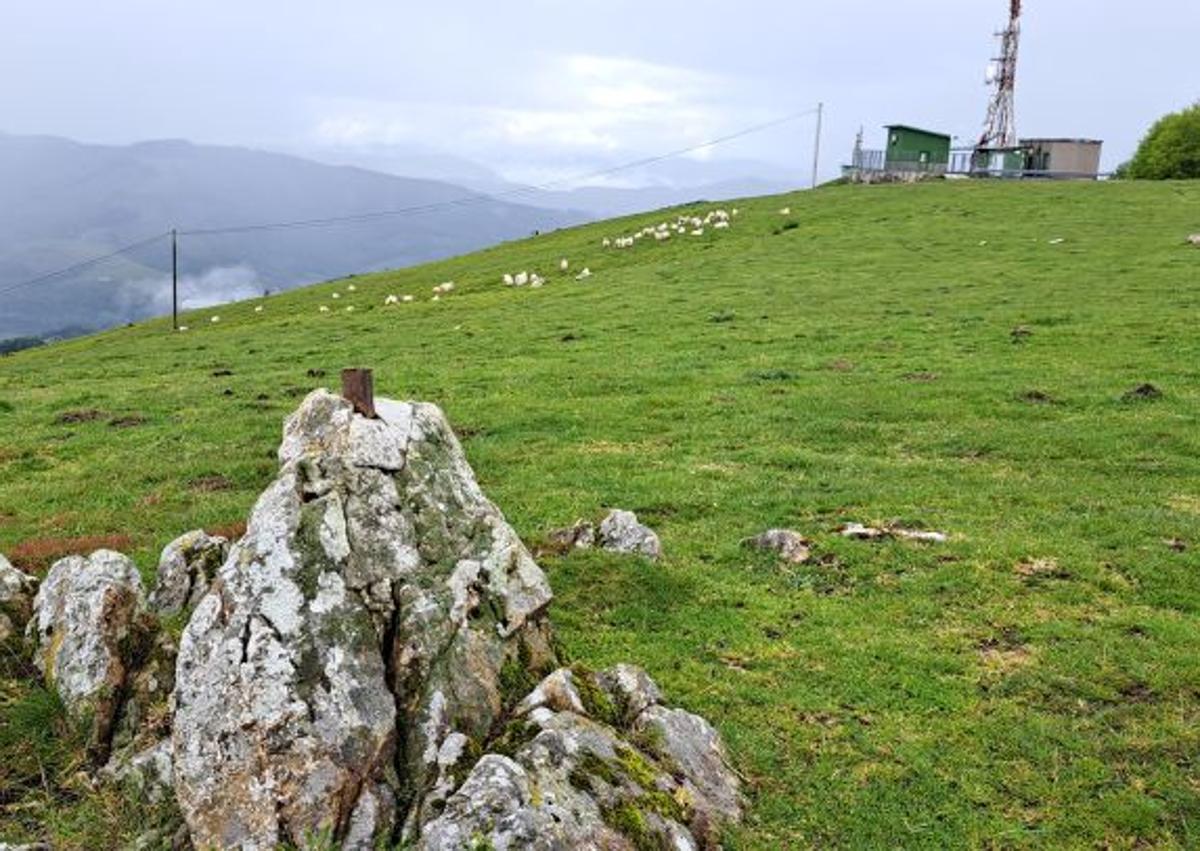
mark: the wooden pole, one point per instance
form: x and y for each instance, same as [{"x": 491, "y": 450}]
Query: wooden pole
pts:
[
  {"x": 174, "y": 279},
  {"x": 358, "y": 386},
  {"x": 817, "y": 146}
]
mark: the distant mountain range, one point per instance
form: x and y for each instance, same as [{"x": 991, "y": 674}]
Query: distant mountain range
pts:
[{"x": 62, "y": 202}]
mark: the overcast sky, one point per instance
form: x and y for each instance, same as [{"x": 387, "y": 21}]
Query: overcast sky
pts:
[{"x": 539, "y": 88}]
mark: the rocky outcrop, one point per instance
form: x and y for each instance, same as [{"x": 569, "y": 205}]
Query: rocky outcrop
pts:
[
  {"x": 85, "y": 621},
  {"x": 621, "y": 532},
  {"x": 369, "y": 629},
  {"x": 788, "y": 545},
  {"x": 185, "y": 570},
  {"x": 593, "y": 761},
  {"x": 17, "y": 591}
]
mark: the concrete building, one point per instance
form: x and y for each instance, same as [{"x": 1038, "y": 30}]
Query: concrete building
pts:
[{"x": 1063, "y": 158}]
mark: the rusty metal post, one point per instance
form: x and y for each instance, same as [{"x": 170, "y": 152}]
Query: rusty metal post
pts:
[{"x": 358, "y": 386}]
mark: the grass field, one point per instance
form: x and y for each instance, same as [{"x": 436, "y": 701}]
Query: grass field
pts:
[{"x": 1033, "y": 683}]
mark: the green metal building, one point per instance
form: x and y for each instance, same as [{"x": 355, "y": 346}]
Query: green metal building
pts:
[{"x": 914, "y": 149}]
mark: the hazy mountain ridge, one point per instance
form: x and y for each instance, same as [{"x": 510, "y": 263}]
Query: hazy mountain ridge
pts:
[{"x": 62, "y": 202}]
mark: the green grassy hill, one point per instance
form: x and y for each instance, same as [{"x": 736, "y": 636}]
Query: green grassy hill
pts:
[{"x": 930, "y": 355}]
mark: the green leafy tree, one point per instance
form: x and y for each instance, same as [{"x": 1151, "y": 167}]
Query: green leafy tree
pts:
[{"x": 1171, "y": 150}]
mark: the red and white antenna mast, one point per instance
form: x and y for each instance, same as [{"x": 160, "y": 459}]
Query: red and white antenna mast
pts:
[{"x": 1000, "y": 129}]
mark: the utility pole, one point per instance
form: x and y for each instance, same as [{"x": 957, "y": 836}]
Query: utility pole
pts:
[
  {"x": 817, "y": 145},
  {"x": 174, "y": 279}
]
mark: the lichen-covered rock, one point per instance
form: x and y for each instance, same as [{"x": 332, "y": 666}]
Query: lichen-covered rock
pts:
[
  {"x": 378, "y": 615},
  {"x": 148, "y": 773},
  {"x": 570, "y": 779},
  {"x": 17, "y": 590},
  {"x": 84, "y": 617},
  {"x": 621, "y": 532},
  {"x": 790, "y": 546},
  {"x": 185, "y": 569}
]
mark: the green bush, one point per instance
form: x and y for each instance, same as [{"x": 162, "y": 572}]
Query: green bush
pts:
[{"x": 1171, "y": 150}]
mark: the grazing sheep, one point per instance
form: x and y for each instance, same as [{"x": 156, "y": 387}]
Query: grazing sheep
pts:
[
  {"x": 521, "y": 279},
  {"x": 436, "y": 298},
  {"x": 183, "y": 327},
  {"x": 698, "y": 232},
  {"x": 444, "y": 287},
  {"x": 786, "y": 211},
  {"x": 215, "y": 319},
  {"x": 391, "y": 300},
  {"x": 606, "y": 242},
  {"x": 258, "y": 309},
  {"x": 584, "y": 275},
  {"x": 536, "y": 281},
  {"x": 336, "y": 295},
  {"x": 735, "y": 211},
  {"x": 349, "y": 308},
  {"x": 323, "y": 309},
  {"x": 508, "y": 279},
  {"x": 563, "y": 265},
  {"x": 351, "y": 287},
  {"x": 721, "y": 224}
]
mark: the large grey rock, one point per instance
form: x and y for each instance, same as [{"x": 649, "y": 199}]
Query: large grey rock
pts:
[
  {"x": 376, "y": 619},
  {"x": 85, "y": 616},
  {"x": 17, "y": 590},
  {"x": 185, "y": 570},
  {"x": 621, "y": 532},
  {"x": 573, "y": 777}
]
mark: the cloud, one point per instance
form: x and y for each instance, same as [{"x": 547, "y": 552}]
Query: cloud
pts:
[{"x": 569, "y": 113}]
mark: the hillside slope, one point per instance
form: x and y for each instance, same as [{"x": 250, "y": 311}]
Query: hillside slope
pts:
[
  {"x": 951, "y": 357},
  {"x": 62, "y": 201}
]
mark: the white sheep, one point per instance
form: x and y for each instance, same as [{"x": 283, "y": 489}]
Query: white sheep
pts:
[
  {"x": 536, "y": 280},
  {"x": 735, "y": 211},
  {"x": 606, "y": 242},
  {"x": 391, "y": 300},
  {"x": 336, "y": 295},
  {"x": 584, "y": 275},
  {"x": 436, "y": 298},
  {"x": 521, "y": 279},
  {"x": 323, "y": 309},
  {"x": 215, "y": 319},
  {"x": 508, "y": 279},
  {"x": 563, "y": 265},
  {"x": 720, "y": 224},
  {"x": 183, "y": 327},
  {"x": 351, "y": 287},
  {"x": 698, "y": 232},
  {"x": 349, "y": 308},
  {"x": 786, "y": 211}
]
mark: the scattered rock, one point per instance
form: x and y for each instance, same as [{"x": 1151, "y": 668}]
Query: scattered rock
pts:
[
  {"x": 185, "y": 570},
  {"x": 872, "y": 533},
  {"x": 1176, "y": 544},
  {"x": 920, "y": 376},
  {"x": 1143, "y": 392},
  {"x": 378, "y": 615},
  {"x": 148, "y": 774},
  {"x": 17, "y": 591},
  {"x": 791, "y": 546},
  {"x": 1037, "y": 567},
  {"x": 621, "y": 532},
  {"x": 573, "y": 776},
  {"x": 83, "y": 616},
  {"x": 581, "y": 536}
]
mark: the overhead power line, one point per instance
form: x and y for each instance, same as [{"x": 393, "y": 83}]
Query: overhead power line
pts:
[
  {"x": 479, "y": 197},
  {"x": 473, "y": 198},
  {"x": 86, "y": 264}
]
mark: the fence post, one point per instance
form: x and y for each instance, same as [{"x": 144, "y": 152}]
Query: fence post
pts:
[{"x": 174, "y": 279}]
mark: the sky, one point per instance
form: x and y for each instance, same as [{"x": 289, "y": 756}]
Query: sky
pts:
[{"x": 537, "y": 90}]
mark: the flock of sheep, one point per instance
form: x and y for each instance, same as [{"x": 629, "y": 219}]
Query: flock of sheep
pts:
[{"x": 693, "y": 225}]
